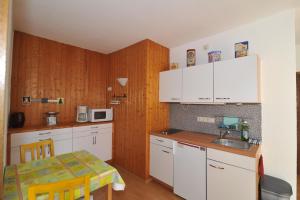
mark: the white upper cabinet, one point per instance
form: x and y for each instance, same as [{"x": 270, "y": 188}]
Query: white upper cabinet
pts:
[
  {"x": 229, "y": 81},
  {"x": 170, "y": 86},
  {"x": 198, "y": 84},
  {"x": 237, "y": 80}
]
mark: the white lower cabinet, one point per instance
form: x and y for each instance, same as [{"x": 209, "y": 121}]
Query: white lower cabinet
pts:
[
  {"x": 229, "y": 181},
  {"x": 97, "y": 139},
  {"x": 190, "y": 171},
  {"x": 161, "y": 163},
  {"x": 199, "y": 173},
  {"x": 62, "y": 140},
  {"x": 161, "y": 159}
]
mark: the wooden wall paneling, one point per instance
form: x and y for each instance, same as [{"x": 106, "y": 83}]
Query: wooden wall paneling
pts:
[
  {"x": 97, "y": 79},
  {"x": 141, "y": 111},
  {"x": 24, "y": 72},
  {"x": 130, "y": 114},
  {"x": 49, "y": 81},
  {"x": 45, "y": 68},
  {"x": 157, "y": 113}
]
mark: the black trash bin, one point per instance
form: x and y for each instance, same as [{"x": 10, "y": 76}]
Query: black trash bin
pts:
[{"x": 274, "y": 188}]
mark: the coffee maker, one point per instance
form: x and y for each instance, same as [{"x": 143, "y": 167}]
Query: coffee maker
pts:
[{"x": 82, "y": 114}]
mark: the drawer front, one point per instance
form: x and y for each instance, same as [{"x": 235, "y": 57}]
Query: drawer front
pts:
[
  {"x": 232, "y": 159},
  {"x": 55, "y": 134},
  {"x": 92, "y": 127},
  {"x": 161, "y": 163},
  {"x": 161, "y": 141},
  {"x": 22, "y": 138},
  {"x": 85, "y": 133}
]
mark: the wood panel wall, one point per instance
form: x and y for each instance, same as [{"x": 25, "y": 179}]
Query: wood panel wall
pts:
[
  {"x": 141, "y": 111},
  {"x": 45, "y": 68}
]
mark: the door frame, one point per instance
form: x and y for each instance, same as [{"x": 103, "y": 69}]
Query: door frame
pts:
[{"x": 4, "y": 17}]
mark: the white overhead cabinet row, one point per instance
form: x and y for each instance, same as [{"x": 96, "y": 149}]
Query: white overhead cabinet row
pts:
[
  {"x": 229, "y": 81},
  {"x": 96, "y": 139}
]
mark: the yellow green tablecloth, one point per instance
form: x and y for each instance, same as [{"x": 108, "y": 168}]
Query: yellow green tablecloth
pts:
[{"x": 17, "y": 178}]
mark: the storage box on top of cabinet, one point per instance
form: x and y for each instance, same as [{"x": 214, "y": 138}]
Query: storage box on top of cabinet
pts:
[{"x": 229, "y": 81}]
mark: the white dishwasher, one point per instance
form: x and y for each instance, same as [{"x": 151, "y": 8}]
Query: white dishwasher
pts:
[{"x": 190, "y": 171}]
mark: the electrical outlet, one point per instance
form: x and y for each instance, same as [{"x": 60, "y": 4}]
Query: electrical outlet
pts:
[
  {"x": 210, "y": 120},
  {"x": 201, "y": 119}
]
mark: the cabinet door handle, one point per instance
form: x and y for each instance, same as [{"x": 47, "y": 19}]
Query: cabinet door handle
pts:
[
  {"x": 227, "y": 98},
  {"x": 94, "y": 127},
  {"x": 44, "y": 139},
  {"x": 173, "y": 98},
  {"x": 94, "y": 132},
  {"x": 45, "y": 133},
  {"x": 216, "y": 167},
  {"x": 95, "y": 139},
  {"x": 165, "y": 151},
  {"x": 159, "y": 140},
  {"x": 201, "y": 98}
]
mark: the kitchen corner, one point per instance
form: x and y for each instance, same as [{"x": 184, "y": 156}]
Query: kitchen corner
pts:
[{"x": 195, "y": 166}]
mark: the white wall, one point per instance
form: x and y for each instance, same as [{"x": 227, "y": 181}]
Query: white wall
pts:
[
  {"x": 273, "y": 40},
  {"x": 298, "y": 57}
]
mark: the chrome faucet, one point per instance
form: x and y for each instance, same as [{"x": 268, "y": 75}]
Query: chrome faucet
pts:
[{"x": 222, "y": 136}]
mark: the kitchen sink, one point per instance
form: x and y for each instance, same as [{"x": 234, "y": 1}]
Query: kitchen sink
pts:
[{"x": 232, "y": 143}]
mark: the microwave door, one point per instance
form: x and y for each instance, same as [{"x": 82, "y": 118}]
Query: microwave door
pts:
[{"x": 100, "y": 115}]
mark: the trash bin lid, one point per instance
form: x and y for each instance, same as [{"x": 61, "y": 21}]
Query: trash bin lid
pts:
[{"x": 276, "y": 186}]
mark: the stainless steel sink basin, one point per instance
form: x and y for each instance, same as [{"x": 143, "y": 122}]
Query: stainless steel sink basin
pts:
[{"x": 232, "y": 143}]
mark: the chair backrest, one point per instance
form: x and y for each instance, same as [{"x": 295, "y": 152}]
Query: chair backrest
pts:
[
  {"x": 60, "y": 188},
  {"x": 38, "y": 148}
]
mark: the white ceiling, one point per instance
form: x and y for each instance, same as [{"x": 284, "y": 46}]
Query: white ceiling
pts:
[{"x": 108, "y": 25}]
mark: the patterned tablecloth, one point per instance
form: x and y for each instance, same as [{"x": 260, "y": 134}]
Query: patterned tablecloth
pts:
[{"x": 67, "y": 166}]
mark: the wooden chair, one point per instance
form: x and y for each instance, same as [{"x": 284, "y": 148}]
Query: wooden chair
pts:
[
  {"x": 38, "y": 148},
  {"x": 60, "y": 188}
]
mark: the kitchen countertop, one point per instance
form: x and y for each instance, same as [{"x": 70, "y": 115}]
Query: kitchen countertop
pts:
[
  {"x": 205, "y": 140},
  {"x": 45, "y": 127}
]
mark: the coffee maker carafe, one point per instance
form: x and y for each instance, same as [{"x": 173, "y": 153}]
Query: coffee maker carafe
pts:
[{"x": 82, "y": 115}]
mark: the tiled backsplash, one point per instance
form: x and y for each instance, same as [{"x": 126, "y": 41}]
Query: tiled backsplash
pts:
[{"x": 185, "y": 117}]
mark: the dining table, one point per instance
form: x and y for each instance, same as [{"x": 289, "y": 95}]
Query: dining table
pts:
[{"x": 18, "y": 177}]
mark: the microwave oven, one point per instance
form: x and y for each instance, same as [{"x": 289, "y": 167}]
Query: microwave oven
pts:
[{"x": 100, "y": 115}]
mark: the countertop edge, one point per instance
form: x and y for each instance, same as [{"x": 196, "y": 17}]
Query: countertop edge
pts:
[
  {"x": 205, "y": 140},
  {"x": 59, "y": 126}
]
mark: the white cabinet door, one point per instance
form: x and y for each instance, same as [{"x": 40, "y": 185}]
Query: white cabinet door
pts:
[
  {"x": 97, "y": 141},
  {"x": 198, "y": 84},
  {"x": 103, "y": 144},
  {"x": 170, "y": 86},
  {"x": 190, "y": 171},
  {"x": 63, "y": 146},
  {"x": 229, "y": 182},
  {"x": 84, "y": 143},
  {"x": 161, "y": 163},
  {"x": 236, "y": 80},
  {"x": 15, "y": 155}
]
